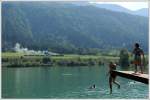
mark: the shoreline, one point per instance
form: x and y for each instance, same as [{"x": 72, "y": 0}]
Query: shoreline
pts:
[
  {"x": 66, "y": 60},
  {"x": 20, "y": 60}
]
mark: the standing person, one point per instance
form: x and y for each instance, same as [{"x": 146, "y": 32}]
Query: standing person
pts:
[
  {"x": 138, "y": 57},
  {"x": 112, "y": 76}
]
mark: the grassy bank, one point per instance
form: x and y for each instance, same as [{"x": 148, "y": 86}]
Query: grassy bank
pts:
[{"x": 10, "y": 59}]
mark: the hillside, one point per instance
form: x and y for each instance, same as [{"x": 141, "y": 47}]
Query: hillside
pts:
[
  {"x": 142, "y": 12},
  {"x": 117, "y": 8},
  {"x": 67, "y": 28}
]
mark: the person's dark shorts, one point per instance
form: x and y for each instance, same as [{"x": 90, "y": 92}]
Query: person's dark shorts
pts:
[
  {"x": 113, "y": 75},
  {"x": 137, "y": 60}
]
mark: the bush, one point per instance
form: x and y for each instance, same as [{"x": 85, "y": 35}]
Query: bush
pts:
[
  {"x": 124, "y": 58},
  {"x": 46, "y": 60}
]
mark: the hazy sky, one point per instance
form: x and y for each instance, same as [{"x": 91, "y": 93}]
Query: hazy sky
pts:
[{"x": 128, "y": 5}]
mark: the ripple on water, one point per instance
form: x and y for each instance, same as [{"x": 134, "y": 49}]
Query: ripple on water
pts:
[{"x": 65, "y": 74}]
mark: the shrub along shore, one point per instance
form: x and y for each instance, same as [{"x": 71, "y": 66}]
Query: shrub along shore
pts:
[{"x": 20, "y": 60}]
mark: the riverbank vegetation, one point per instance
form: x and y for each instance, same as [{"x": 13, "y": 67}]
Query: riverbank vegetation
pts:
[{"x": 12, "y": 59}]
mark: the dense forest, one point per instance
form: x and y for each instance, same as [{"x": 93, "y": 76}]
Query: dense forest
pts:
[{"x": 68, "y": 28}]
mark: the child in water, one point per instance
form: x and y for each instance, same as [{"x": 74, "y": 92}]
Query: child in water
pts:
[
  {"x": 92, "y": 87},
  {"x": 112, "y": 76}
]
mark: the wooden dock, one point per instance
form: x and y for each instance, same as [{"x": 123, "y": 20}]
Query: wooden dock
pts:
[{"x": 144, "y": 78}]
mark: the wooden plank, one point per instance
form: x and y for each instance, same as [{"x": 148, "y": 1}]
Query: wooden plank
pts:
[{"x": 131, "y": 75}]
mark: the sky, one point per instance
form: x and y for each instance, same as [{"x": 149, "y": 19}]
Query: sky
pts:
[{"x": 129, "y": 5}]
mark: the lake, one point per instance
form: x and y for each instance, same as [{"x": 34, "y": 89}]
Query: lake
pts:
[{"x": 66, "y": 82}]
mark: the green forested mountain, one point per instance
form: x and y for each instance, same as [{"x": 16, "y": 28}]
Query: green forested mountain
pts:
[{"x": 68, "y": 28}]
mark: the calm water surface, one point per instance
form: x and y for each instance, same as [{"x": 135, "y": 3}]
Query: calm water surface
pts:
[{"x": 66, "y": 82}]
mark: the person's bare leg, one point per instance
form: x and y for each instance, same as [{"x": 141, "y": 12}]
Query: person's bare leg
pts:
[
  {"x": 141, "y": 67},
  {"x": 135, "y": 68},
  {"x": 115, "y": 82},
  {"x": 110, "y": 84}
]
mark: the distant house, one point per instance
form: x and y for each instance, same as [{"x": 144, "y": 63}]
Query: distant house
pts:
[
  {"x": 27, "y": 52},
  {"x": 48, "y": 53}
]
